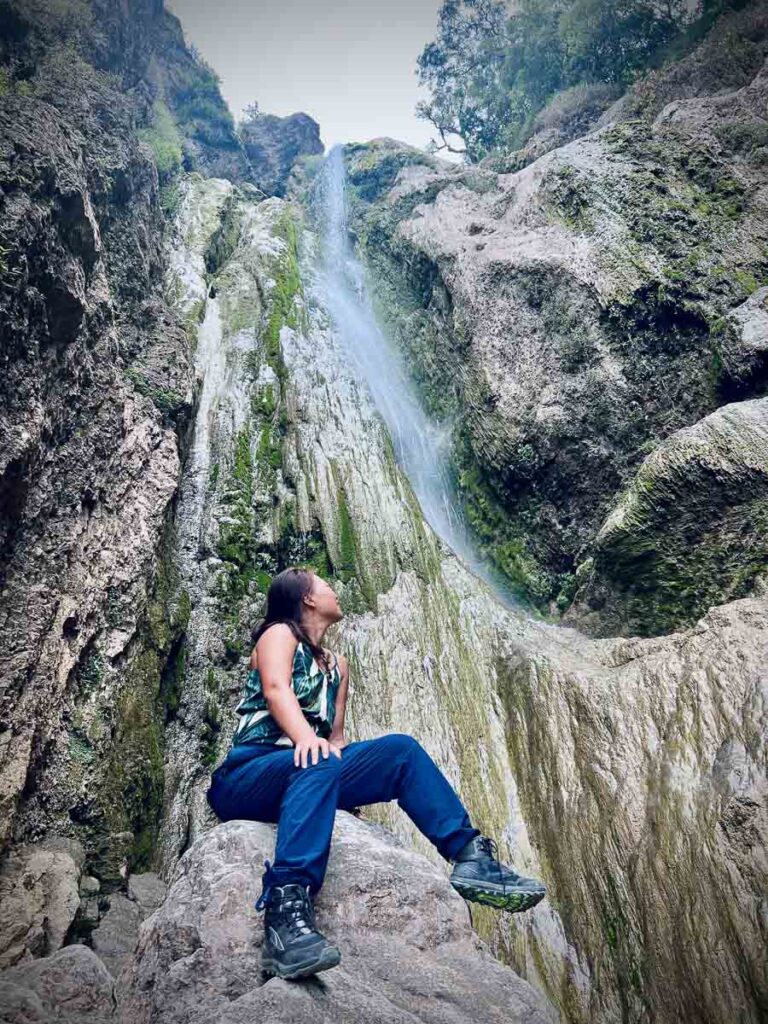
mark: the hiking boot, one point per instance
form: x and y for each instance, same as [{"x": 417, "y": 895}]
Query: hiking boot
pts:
[
  {"x": 480, "y": 877},
  {"x": 293, "y": 947}
]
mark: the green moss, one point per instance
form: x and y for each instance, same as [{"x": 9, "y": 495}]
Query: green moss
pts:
[
  {"x": 209, "y": 732},
  {"x": 283, "y": 295},
  {"x": 91, "y": 672},
  {"x": 264, "y": 402},
  {"x": 223, "y": 242},
  {"x": 172, "y": 680},
  {"x": 133, "y": 772},
  {"x": 164, "y": 139},
  {"x": 168, "y": 402},
  {"x": 746, "y": 281},
  {"x": 569, "y": 199},
  {"x": 347, "y": 552},
  {"x": 81, "y": 750},
  {"x": 270, "y": 451},
  {"x": 503, "y": 539}
]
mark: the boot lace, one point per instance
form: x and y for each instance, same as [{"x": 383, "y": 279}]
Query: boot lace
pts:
[
  {"x": 297, "y": 912},
  {"x": 490, "y": 849}
]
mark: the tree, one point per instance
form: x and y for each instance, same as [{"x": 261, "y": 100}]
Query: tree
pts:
[
  {"x": 462, "y": 68},
  {"x": 492, "y": 69}
]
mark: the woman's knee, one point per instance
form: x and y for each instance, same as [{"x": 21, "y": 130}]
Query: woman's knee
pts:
[{"x": 404, "y": 742}]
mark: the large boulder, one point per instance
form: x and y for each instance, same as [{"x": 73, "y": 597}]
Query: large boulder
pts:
[
  {"x": 690, "y": 531},
  {"x": 408, "y": 949},
  {"x": 39, "y": 898},
  {"x": 71, "y": 987}
]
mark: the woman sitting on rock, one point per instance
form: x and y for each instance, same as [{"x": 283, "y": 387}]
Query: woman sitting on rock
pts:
[{"x": 289, "y": 763}]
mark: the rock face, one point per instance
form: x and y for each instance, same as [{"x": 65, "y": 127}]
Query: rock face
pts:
[
  {"x": 408, "y": 949},
  {"x": 90, "y": 443},
  {"x": 575, "y": 753},
  {"x": 40, "y": 893},
  {"x": 569, "y": 317},
  {"x": 690, "y": 529},
  {"x": 274, "y": 144}
]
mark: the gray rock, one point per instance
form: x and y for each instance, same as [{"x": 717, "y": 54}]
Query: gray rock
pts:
[
  {"x": 408, "y": 949},
  {"x": 742, "y": 339},
  {"x": 115, "y": 937},
  {"x": 148, "y": 890},
  {"x": 690, "y": 531},
  {"x": 39, "y": 898},
  {"x": 89, "y": 885},
  {"x": 274, "y": 144},
  {"x": 95, "y": 397},
  {"x": 561, "y": 317},
  {"x": 72, "y": 986}
]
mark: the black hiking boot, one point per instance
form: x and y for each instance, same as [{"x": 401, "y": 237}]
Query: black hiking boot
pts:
[
  {"x": 293, "y": 947},
  {"x": 480, "y": 877}
]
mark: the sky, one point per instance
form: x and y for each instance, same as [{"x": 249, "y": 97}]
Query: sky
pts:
[{"x": 349, "y": 65}]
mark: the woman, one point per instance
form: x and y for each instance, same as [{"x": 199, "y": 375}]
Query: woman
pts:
[{"x": 289, "y": 763}]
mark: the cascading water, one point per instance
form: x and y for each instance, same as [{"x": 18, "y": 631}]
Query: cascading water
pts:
[{"x": 422, "y": 447}]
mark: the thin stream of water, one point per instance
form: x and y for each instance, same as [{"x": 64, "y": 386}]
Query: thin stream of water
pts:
[{"x": 423, "y": 448}]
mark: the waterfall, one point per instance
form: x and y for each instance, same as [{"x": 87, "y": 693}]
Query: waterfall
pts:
[{"x": 422, "y": 447}]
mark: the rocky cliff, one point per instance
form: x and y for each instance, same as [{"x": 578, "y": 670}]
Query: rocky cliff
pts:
[
  {"x": 184, "y": 418},
  {"x": 574, "y": 314}
]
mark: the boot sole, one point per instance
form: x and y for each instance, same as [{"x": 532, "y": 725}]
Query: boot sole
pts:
[
  {"x": 329, "y": 957},
  {"x": 514, "y": 901}
]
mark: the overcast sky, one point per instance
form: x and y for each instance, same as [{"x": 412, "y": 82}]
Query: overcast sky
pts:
[{"x": 349, "y": 65}]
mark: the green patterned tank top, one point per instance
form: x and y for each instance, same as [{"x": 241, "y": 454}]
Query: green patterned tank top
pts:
[{"x": 315, "y": 691}]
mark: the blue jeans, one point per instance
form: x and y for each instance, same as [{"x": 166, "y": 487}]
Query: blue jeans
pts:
[{"x": 259, "y": 782}]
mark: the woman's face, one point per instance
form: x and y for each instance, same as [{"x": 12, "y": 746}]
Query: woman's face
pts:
[{"x": 326, "y": 602}]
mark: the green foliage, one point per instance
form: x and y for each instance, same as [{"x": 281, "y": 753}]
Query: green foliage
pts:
[
  {"x": 201, "y": 113},
  {"x": 164, "y": 140},
  {"x": 287, "y": 287},
  {"x": 167, "y": 402},
  {"x": 170, "y": 198},
  {"x": 491, "y": 70},
  {"x": 59, "y": 19}
]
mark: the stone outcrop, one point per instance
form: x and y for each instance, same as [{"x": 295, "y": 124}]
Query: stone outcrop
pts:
[
  {"x": 527, "y": 720},
  {"x": 408, "y": 948},
  {"x": 689, "y": 531},
  {"x": 274, "y": 144},
  {"x": 72, "y": 986},
  {"x": 39, "y": 898}
]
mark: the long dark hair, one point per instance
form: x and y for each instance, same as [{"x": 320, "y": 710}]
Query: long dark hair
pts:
[{"x": 284, "y": 605}]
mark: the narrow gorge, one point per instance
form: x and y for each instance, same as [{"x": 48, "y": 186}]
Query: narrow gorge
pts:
[{"x": 514, "y": 411}]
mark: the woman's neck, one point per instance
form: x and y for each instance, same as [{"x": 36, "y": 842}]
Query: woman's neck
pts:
[{"x": 315, "y": 631}]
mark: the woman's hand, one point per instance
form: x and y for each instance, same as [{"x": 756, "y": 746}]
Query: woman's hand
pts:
[
  {"x": 313, "y": 745},
  {"x": 339, "y": 740}
]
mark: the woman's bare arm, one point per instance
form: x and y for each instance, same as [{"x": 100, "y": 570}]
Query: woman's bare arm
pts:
[
  {"x": 275, "y": 651},
  {"x": 337, "y": 732}
]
